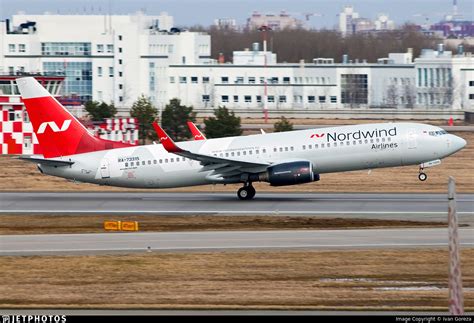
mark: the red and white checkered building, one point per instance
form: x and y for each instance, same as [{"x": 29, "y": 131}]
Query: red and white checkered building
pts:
[
  {"x": 16, "y": 131},
  {"x": 117, "y": 129}
]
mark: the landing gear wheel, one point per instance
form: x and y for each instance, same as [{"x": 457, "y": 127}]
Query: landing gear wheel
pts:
[
  {"x": 246, "y": 192},
  {"x": 422, "y": 176}
]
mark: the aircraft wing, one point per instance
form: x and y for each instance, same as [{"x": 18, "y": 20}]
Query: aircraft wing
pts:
[
  {"x": 43, "y": 161},
  {"x": 223, "y": 167}
]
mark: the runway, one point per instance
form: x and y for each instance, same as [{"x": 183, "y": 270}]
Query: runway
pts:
[
  {"x": 228, "y": 240},
  {"x": 420, "y": 207}
]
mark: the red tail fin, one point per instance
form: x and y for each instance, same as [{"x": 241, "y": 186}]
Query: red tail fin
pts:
[
  {"x": 58, "y": 131},
  {"x": 197, "y": 134}
]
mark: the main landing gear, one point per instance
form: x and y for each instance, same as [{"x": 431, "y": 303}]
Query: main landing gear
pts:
[
  {"x": 247, "y": 192},
  {"x": 421, "y": 175}
]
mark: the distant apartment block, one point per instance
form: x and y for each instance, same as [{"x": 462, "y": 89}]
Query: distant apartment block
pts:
[
  {"x": 226, "y": 24},
  {"x": 351, "y": 23},
  {"x": 346, "y": 20},
  {"x": 274, "y": 21}
]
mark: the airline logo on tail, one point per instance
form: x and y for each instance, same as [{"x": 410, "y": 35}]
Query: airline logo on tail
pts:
[{"x": 54, "y": 127}]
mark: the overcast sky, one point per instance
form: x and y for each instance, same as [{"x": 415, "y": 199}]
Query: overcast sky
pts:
[{"x": 203, "y": 12}]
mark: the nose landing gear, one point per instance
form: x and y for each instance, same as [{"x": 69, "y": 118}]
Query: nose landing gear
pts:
[
  {"x": 422, "y": 175},
  {"x": 247, "y": 192}
]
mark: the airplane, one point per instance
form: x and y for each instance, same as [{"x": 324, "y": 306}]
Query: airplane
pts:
[{"x": 283, "y": 158}]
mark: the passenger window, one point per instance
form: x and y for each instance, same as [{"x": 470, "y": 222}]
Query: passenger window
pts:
[
  {"x": 335, "y": 144},
  {"x": 244, "y": 153},
  {"x": 126, "y": 164},
  {"x": 166, "y": 160},
  {"x": 143, "y": 162},
  {"x": 389, "y": 139},
  {"x": 329, "y": 145},
  {"x": 286, "y": 148},
  {"x": 172, "y": 160},
  {"x": 354, "y": 142},
  {"x": 316, "y": 146},
  {"x": 257, "y": 151},
  {"x": 348, "y": 143},
  {"x": 360, "y": 142},
  {"x": 149, "y": 162},
  {"x": 310, "y": 146},
  {"x": 377, "y": 139},
  {"x": 371, "y": 141},
  {"x": 383, "y": 139},
  {"x": 131, "y": 163},
  {"x": 274, "y": 149},
  {"x": 238, "y": 153},
  {"x": 161, "y": 161},
  {"x": 366, "y": 141},
  {"x": 154, "y": 161},
  {"x": 304, "y": 147},
  {"x": 250, "y": 152},
  {"x": 292, "y": 148},
  {"x": 281, "y": 149},
  {"x": 232, "y": 154},
  {"x": 264, "y": 151},
  {"x": 227, "y": 154},
  {"x": 322, "y": 145},
  {"x": 341, "y": 143}
]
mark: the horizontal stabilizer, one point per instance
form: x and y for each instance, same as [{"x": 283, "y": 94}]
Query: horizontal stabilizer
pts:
[{"x": 48, "y": 162}]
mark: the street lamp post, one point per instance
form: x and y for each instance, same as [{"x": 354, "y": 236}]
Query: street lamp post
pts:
[{"x": 264, "y": 30}]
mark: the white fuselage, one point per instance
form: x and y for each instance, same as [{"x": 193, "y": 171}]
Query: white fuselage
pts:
[{"x": 334, "y": 149}]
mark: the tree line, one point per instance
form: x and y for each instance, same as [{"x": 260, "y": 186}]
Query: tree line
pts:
[
  {"x": 224, "y": 123},
  {"x": 292, "y": 45}
]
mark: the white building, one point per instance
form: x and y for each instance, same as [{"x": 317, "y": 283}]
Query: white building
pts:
[
  {"x": 444, "y": 79},
  {"x": 107, "y": 58},
  {"x": 393, "y": 82}
]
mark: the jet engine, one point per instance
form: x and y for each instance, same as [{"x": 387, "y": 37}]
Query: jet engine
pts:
[{"x": 290, "y": 173}]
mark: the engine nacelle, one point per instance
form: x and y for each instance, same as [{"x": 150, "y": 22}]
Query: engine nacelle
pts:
[{"x": 291, "y": 173}]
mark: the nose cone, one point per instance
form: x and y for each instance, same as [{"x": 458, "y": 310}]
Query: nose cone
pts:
[{"x": 457, "y": 143}]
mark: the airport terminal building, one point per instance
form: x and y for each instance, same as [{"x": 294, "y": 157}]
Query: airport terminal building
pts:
[{"x": 119, "y": 57}]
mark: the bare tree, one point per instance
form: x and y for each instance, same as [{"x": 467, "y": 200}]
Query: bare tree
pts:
[
  {"x": 409, "y": 92},
  {"x": 291, "y": 45},
  {"x": 391, "y": 97}
]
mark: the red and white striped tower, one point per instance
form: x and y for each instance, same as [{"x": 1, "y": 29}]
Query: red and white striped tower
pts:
[{"x": 456, "y": 299}]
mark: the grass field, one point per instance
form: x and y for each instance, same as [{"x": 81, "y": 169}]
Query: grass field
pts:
[
  {"x": 41, "y": 224},
  {"x": 356, "y": 279},
  {"x": 22, "y": 176}
]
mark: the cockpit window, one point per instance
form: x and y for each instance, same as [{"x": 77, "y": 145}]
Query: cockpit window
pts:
[{"x": 437, "y": 133}]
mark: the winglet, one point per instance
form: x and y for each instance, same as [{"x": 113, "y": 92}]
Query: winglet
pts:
[
  {"x": 197, "y": 134},
  {"x": 165, "y": 140}
]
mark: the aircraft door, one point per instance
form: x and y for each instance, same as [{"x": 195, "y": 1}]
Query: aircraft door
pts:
[
  {"x": 411, "y": 140},
  {"x": 105, "y": 168}
]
